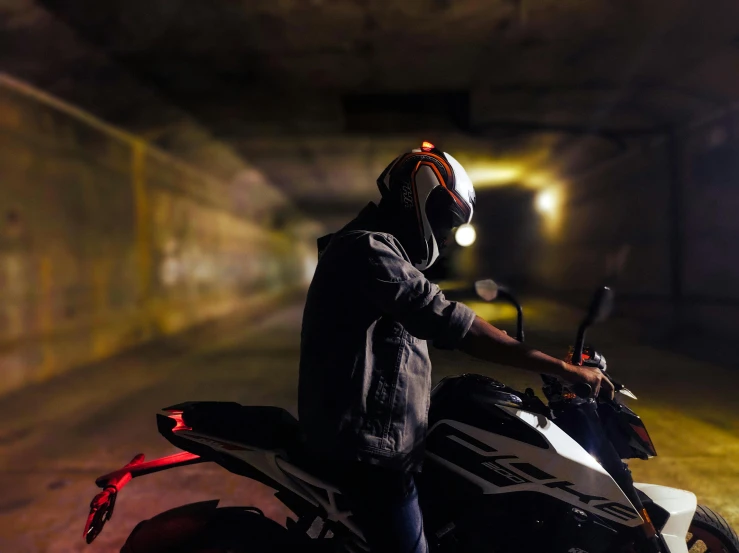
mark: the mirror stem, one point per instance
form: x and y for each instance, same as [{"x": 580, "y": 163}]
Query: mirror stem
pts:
[
  {"x": 579, "y": 344},
  {"x": 505, "y": 294}
]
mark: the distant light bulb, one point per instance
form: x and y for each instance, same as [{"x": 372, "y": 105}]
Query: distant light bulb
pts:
[
  {"x": 465, "y": 235},
  {"x": 546, "y": 201}
]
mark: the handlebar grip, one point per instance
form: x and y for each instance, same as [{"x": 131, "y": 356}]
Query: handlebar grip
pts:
[{"x": 581, "y": 389}]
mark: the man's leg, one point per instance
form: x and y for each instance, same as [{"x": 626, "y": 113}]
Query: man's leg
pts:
[{"x": 385, "y": 506}]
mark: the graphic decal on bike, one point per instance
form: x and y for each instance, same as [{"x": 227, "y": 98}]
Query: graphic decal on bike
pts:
[
  {"x": 497, "y": 471},
  {"x": 323, "y": 495},
  {"x": 326, "y": 495}
]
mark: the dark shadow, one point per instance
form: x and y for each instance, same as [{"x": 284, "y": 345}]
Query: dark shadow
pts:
[{"x": 202, "y": 527}]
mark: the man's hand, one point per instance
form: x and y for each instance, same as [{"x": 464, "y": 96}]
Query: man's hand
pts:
[{"x": 593, "y": 376}]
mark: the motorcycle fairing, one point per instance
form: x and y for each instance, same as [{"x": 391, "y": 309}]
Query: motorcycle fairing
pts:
[
  {"x": 499, "y": 465},
  {"x": 626, "y": 431},
  {"x": 323, "y": 493},
  {"x": 681, "y": 506},
  {"x": 281, "y": 475},
  {"x": 264, "y": 461}
]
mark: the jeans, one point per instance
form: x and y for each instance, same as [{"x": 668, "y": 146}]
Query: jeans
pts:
[{"x": 385, "y": 507}]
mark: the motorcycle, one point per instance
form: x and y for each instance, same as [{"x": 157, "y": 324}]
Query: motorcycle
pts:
[{"x": 505, "y": 472}]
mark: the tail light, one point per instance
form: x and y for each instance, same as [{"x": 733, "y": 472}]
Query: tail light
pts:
[{"x": 177, "y": 417}]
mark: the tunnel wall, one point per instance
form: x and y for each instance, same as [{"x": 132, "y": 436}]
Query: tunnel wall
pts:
[
  {"x": 619, "y": 211},
  {"x": 671, "y": 258},
  {"x": 106, "y": 243},
  {"x": 710, "y": 268}
]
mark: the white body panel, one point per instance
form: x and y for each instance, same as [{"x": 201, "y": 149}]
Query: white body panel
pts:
[
  {"x": 681, "y": 505},
  {"x": 566, "y": 460},
  {"x": 333, "y": 512},
  {"x": 291, "y": 477},
  {"x": 263, "y": 460}
]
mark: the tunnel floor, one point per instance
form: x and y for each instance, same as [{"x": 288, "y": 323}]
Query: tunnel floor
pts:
[{"x": 57, "y": 437}]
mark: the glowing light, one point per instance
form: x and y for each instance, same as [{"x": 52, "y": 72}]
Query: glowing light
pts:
[
  {"x": 539, "y": 180},
  {"x": 550, "y": 203},
  {"x": 482, "y": 175},
  {"x": 465, "y": 235},
  {"x": 427, "y": 146},
  {"x": 546, "y": 201},
  {"x": 177, "y": 417}
]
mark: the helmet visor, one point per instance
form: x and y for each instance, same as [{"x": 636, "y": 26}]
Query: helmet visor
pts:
[{"x": 444, "y": 215}]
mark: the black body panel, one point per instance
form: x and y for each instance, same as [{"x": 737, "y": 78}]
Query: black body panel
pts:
[
  {"x": 521, "y": 522},
  {"x": 473, "y": 399},
  {"x": 264, "y": 427},
  {"x": 623, "y": 427},
  {"x": 658, "y": 514}
]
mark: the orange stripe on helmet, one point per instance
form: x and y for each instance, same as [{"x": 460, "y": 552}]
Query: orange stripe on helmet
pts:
[{"x": 450, "y": 172}]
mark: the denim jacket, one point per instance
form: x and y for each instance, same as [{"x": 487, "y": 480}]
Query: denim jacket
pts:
[{"x": 365, "y": 373}]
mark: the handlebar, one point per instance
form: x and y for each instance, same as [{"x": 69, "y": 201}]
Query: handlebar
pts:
[{"x": 581, "y": 389}]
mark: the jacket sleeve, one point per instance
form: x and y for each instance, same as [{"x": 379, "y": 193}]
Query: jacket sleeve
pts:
[{"x": 401, "y": 291}]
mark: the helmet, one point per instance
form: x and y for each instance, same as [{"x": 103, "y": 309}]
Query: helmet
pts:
[{"x": 429, "y": 193}]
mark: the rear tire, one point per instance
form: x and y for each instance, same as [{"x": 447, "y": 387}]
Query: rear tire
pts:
[
  {"x": 203, "y": 528},
  {"x": 710, "y": 533}
]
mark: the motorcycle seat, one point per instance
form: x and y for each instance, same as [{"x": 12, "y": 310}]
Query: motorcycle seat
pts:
[{"x": 265, "y": 427}]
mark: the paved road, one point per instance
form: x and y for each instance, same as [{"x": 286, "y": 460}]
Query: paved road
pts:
[{"x": 56, "y": 438}]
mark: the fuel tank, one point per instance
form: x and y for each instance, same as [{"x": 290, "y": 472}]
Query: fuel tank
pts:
[{"x": 486, "y": 439}]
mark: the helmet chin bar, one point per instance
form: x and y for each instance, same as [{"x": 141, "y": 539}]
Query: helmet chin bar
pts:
[
  {"x": 424, "y": 181},
  {"x": 433, "y": 248}
]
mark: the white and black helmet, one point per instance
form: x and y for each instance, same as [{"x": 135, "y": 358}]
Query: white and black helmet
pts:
[{"x": 433, "y": 194}]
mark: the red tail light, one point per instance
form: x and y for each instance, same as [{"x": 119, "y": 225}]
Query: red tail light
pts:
[{"x": 177, "y": 417}]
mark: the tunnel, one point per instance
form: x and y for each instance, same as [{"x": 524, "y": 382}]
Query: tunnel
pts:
[{"x": 167, "y": 168}]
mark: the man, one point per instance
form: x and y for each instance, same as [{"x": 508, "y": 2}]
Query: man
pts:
[{"x": 365, "y": 374}]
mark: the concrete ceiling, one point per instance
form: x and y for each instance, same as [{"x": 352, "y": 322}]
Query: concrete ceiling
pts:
[{"x": 321, "y": 94}]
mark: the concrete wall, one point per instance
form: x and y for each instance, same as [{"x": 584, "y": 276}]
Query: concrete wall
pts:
[
  {"x": 106, "y": 243},
  {"x": 710, "y": 271},
  {"x": 618, "y": 221},
  {"x": 622, "y": 207}
]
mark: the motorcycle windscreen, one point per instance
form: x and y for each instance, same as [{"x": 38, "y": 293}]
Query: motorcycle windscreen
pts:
[{"x": 627, "y": 432}]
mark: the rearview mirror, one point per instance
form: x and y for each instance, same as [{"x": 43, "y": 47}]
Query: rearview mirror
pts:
[
  {"x": 599, "y": 311},
  {"x": 601, "y": 306},
  {"x": 487, "y": 289}
]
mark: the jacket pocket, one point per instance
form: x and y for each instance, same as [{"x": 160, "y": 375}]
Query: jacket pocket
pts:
[{"x": 388, "y": 346}]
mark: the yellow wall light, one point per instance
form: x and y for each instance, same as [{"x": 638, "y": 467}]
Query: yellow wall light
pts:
[
  {"x": 546, "y": 201},
  {"x": 549, "y": 202}
]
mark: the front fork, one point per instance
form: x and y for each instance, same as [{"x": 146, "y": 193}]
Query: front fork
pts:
[{"x": 579, "y": 418}]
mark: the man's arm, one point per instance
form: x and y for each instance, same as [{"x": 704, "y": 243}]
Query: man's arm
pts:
[
  {"x": 488, "y": 343},
  {"x": 404, "y": 293}
]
